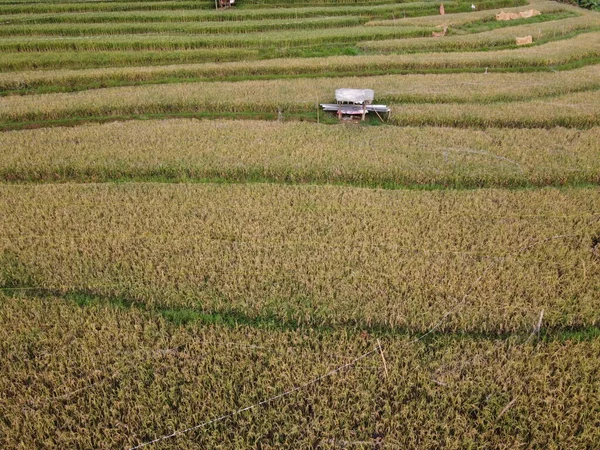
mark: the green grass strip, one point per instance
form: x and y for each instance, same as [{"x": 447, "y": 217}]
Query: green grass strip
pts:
[{"x": 232, "y": 318}]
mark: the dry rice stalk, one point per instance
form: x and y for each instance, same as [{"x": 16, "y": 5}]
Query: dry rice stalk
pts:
[{"x": 506, "y": 408}]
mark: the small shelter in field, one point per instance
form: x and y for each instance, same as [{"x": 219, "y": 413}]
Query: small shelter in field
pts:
[
  {"x": 355, "y": 102},
  {"x": 222, "y": 4}
]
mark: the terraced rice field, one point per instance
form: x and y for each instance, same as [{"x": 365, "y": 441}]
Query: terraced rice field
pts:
[{"x": 193, "y": 255}]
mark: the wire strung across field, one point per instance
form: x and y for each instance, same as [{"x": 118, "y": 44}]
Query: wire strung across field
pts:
[{"x": 378, "y": 348}]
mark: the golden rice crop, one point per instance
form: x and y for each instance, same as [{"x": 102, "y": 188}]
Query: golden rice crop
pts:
[
  {"x": 134, "y": 309},
  {"x": 579, "y": 109},
  {"x": 500, "y": 37},
  {"x": 267, "y": 38},
  {"x": 179, "y": 15},
  {"x": 551, "y": 54},
  {"x": 219, "y": 27},
  {"x": 103, "y": 377},
  {"x": 149, "y": 6},
  {"x": 30, "y": 27},
  {"x": 314, "y": 254},
  {"x": 297, "y": 94},
  {"x": 188, "y": 42},
  {"x": 302, "y": 94},
  {"x": 69, "y": 59},
  {"x": 180, "y": 150},
  {"x": 233, "y": 14},
  {"x": 294, "y": 3},
  {"x": 336, "y": 3},
  {"x": 82, "y": 7}
]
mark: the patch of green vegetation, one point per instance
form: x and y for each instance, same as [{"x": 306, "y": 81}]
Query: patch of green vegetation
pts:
[
  {"x": 168, "y": 176},
  {"x": 574, "y": 334},
  {"x": 185, "y": 316}
]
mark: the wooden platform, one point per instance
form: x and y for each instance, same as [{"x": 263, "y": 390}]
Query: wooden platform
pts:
[{"x": 352, "y": 110}]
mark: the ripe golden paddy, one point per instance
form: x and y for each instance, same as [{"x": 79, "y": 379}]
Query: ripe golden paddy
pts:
[
  {"x": 239, "y": 151},
  {"x": 314, "y": 254},
  {"x": 308, "y": 285},
  {"x": 108, "y": 377}
]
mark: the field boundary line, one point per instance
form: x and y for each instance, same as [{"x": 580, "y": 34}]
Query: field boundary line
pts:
[{"x": 287, "y": 393}]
